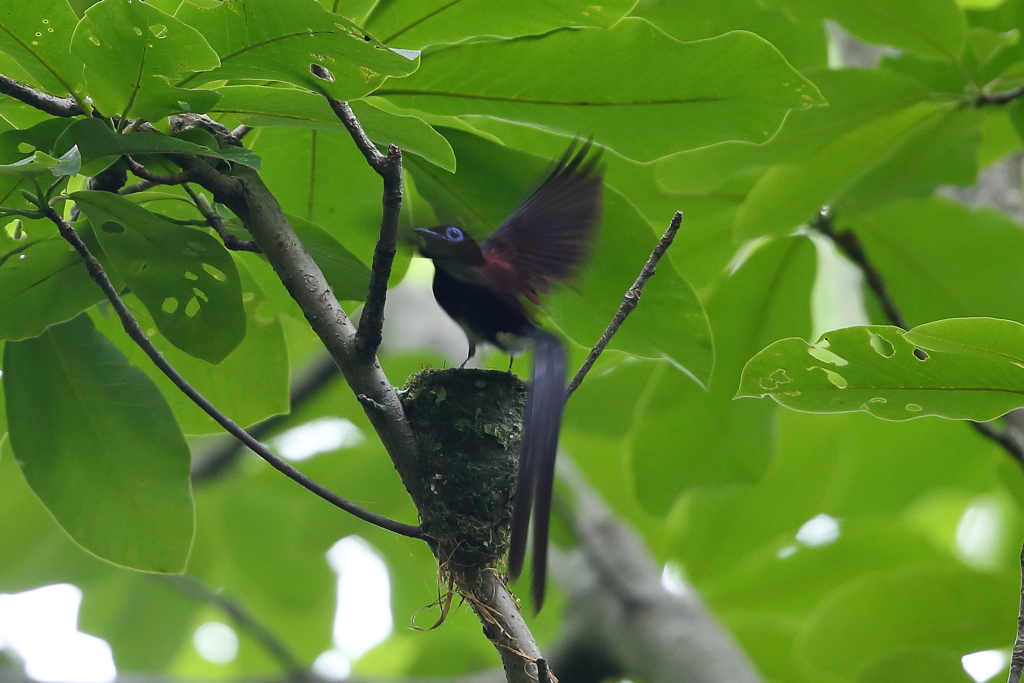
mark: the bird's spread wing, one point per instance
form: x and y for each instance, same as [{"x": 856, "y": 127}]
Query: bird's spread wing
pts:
[{"x": 546, "y": 239}]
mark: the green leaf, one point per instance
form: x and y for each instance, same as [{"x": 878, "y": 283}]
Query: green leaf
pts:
[
  {"x": 42, "y": 282},
  {"x": 37, "y": 35},
  {"x": 263, "y": 106},
  {"x": 100, "y": 146},
  {"x": 742, "y": 90},
  {"x": 490, "y": 183},
  {"x": 418, "y": 23},
  {"x": 804, "y": 43},
  {"x": 249, "y": 385},
  {"x": 767, "y": 298},
  {"x": 935, "y": 28},
  {"x": 133, "y": 53},
  {"x": 904, "y": 154},
  {"x": 931, "y": 252},
  {"x": 880, "y": 614},
  {"x": 345, "y": 273},
  {"x": 184, "y": 276},
  {"x": 100, "y": 447},
  {"x": 973, "y": 369},
  {"x": 265, "y": 39},
  {"x": 855, "y": 97}
]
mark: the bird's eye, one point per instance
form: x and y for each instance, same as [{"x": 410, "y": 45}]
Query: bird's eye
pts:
[{"x": 453, "y": 234}]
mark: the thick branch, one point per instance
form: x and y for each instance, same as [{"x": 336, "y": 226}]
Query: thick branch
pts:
[
  {"x": 629, "y": 302},
  {"x": 1017, "y": 656},
  {"x": 64, "y": 107},
  {"x": 504, "y": 626},
  {"x": 134, "y": 331},
  {"x": 389, "y": 168}
]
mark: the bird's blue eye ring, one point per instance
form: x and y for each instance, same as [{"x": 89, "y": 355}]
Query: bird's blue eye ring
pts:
[{"x": 453, "y": 234}]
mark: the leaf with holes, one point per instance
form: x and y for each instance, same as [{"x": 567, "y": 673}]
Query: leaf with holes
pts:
[
  {"x": 185, "y": 278},
  {"x": 960, "y": 368},
  {"x": 37, "y": 35},
  {"x": 133, "y": 52},
  {"x": 99, "y": 445},
  {"x": 270, "y": 40},
  {"x": 42, "y": 282}
]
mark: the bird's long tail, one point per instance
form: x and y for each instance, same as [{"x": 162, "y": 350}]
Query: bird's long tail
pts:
[{"x": 541, "y": 423}]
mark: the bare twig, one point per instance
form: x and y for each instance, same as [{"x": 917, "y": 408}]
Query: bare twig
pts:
[
  {"x": 247, "y": 623},
  {"x": 144, "y": 173},
  {"x": 240, "y": 132},
  {"x": 849, "y": 244},
  {"x": 389, "y": 168},
  {"x": 629, "y": 302},
  {"x": 140, "y": 186},
  {"x": 1017, "y": 656},
  {"x": 214, "y": 221},
  {"x": 1003, "y": 97},
  {"x": 64, "y": 107},
  {"x": 134, "y": 331}
]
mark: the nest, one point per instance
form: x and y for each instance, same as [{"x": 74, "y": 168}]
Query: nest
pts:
[{"x": 469, "y": 426}]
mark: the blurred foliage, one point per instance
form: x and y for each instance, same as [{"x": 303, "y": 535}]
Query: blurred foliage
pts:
[{"x": 739, "y": 113}]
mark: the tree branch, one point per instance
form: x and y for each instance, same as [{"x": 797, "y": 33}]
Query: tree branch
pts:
[
  {"x": 629, "y": 302},
  {"x": 1017, "y": 656},
  {"x": 155, "y": 178},
  {"x": 64, "y": 107},
  {"x": 274, "y": 646},
  {"x": 389, "y": 168},
  {"x": 134, "y": 331},
  {"x": 1004, "y": 97},
  {"x": 214, "y": 221},
  {"x": 850, "y": 246}
]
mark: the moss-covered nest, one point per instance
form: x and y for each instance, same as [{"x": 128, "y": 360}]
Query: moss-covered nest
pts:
[{"x": 469, "y": 426}]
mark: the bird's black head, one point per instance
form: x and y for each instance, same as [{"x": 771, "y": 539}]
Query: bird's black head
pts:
[{"x": 449, "y": 243}]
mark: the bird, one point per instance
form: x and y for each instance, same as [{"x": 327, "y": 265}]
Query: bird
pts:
[{"x": 544, "y": 241}]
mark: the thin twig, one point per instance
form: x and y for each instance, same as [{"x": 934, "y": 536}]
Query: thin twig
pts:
[
  {"x": 1017, "y": 656},
  {"x": 629, "y": 302},
  {"x": 847, "y": 241},
  {"x": 999, "y": 97},
  {"x": 247, "y": 623},
  {"x": 134, "y": 331},
  {"x": 214, "y": 221},
  {"x": 144, "y": 173},
  {"x": 140, "y": 186},
  {"x": 65, "y": 107},
  {"x": 389, "y": 168},
  {"x": 853, "y": 249}
]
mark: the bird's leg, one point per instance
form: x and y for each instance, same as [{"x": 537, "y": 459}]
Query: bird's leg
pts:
[
  {"x": 511, "y": 358},
  {"x": 472, "y": 352}
]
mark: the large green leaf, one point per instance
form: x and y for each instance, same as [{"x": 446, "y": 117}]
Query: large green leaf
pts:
[
  {"x": 266, "y": 39},
  {"x": 931, "y": 253},
  {"x": 932, "y": 27},
  {"x": 418, "y": 23},
  {"x": 882, "y": 613},
  {"x": 670, "y": 322},
  {"x": 99, "y": 445},
  {"x": 904, "y": 154},
  {"x": 42, "y": 282},
  {"x": 133, "y": 53},
  {"x": 683, "y": 436},
  {"x": 249, "y": 385},
  {"x": 602, "y": 82},
  {"x": 803, "y": 43},
  {"x": 37, "y": 35},
  {"x": 971, "y": 369},
  {"x": 855, "y": 97},
  {"x": 185, "y": 277},
  {"x": 265, "y": 106}
]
